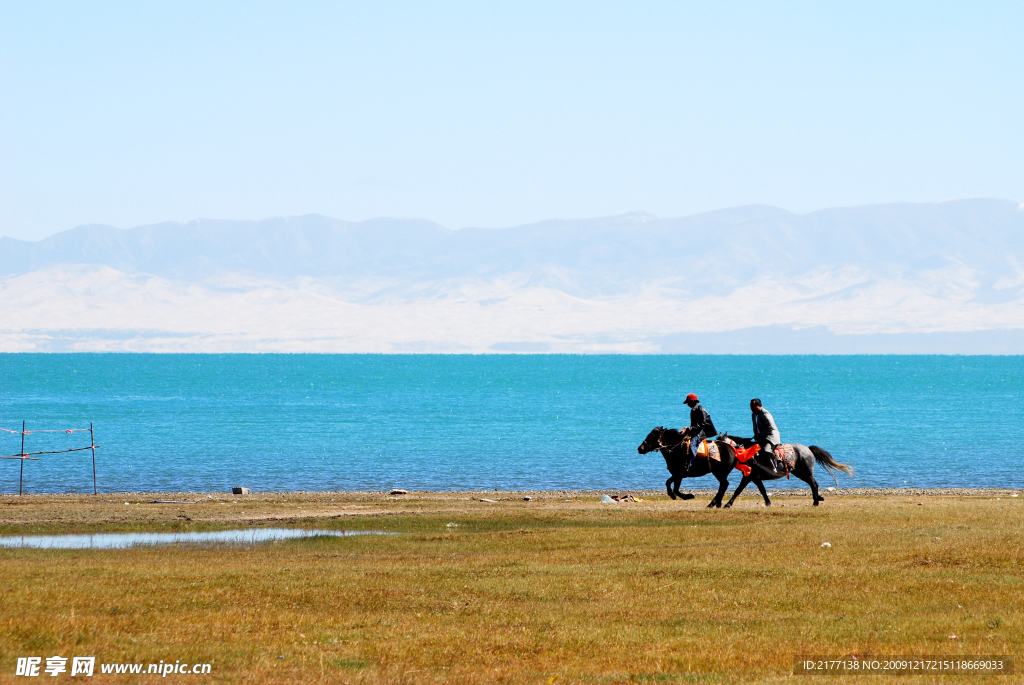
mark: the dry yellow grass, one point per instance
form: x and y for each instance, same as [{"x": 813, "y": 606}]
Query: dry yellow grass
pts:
[{"x": 521, "y": 592}]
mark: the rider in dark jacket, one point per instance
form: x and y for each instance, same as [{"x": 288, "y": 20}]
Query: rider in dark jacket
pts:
[{"x": 701, "y": 427}]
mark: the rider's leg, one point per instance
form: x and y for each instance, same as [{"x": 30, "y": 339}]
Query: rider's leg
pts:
[{"x": 694, "y": 444}]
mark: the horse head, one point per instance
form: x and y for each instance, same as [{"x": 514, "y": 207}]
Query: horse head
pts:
[{"x": 652, "y": 442}]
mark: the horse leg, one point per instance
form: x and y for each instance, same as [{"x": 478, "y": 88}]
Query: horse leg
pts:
[
  {"x": 723, "y": 485},
  {"x": 668, "y": 486},
  {"x": 806, "y": 474},
  {"x": 814, "y": 491},
  {"x": 764, "y": 493},
  {"x": 679, "y": 481},
  {"x": 739, "y": 489},
  {"x": 683, "y": 495}
]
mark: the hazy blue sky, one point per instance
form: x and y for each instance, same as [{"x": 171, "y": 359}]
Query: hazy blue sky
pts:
[{"x": 495, "y": 114}]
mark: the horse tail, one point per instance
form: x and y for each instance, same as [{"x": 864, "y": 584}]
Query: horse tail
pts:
[{"x": 826, "y": 460}]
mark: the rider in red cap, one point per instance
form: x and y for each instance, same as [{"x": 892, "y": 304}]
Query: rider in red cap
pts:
[{"x": 701, "y": 427}]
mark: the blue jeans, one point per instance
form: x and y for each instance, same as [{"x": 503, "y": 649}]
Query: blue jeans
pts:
[{"x": 694, "y": 444}]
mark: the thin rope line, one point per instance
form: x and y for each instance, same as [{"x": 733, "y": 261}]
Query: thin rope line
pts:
[
  {"x": 58, "y": 430},
  {"x": 77, "y": 449}
]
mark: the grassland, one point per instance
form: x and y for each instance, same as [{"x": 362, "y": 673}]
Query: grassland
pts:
[{"x": 519, "y": 592}]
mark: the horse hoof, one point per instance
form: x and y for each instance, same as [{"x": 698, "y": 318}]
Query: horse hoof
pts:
[
  {"x": 728, "y": 506},
  {"x": 815, "y": 502},
  {"x": 687, "y": 496}
]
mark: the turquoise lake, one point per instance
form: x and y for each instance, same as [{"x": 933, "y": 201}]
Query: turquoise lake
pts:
[{"x": 530, "y": 422}]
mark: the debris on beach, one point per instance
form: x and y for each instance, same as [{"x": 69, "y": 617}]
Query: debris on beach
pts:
[
  {"x": 622, "y": 498},
  {"x": 604, "y": 500},
  {"x": 826, "y": 544},
  {"x": 527, "y": 499},
  {"x": 239, "y": 491},
  {"x": 453, "y": 525},
  {"x": 398, "y": 491},
  {"x": 484, "y": 499}
]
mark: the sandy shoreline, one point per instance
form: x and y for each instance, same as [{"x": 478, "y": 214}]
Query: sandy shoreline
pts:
[
  {"x": 173, "y": 510},
  {"x": 357, "y": 495}
]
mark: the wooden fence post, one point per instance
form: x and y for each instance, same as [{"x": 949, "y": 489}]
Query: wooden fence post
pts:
[
  {"x": 92, "y": 442},
  {"x": 21, "y": 478}
]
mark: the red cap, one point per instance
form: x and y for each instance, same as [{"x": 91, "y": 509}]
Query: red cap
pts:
[{"x": 692, "y": 398}]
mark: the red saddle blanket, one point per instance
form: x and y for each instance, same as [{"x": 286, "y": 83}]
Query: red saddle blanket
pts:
[
  {"x": 743, "y": 455},
  {"x": 786, "y": 454}
]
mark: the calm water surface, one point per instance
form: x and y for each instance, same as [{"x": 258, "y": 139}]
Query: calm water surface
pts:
[
  {"x": 244, "y": 536},
  {"x": 444, "y": 422}
]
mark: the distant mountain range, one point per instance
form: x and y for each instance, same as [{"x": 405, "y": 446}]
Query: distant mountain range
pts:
[{"x": 943, "y": 277}]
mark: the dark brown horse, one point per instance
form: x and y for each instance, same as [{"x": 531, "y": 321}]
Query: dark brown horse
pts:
[{"x": 674, "y": 446}]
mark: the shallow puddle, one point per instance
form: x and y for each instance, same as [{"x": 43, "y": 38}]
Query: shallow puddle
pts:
[{"x": 122, "y": 540}]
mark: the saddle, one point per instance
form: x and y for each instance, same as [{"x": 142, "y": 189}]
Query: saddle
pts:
[
  {"x": 784, "y": 457},
  {"x": 709, "y": 450},
  {"x": 787, "y": 455}
]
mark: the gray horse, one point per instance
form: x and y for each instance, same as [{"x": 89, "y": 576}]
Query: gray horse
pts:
[{"x": 761, "y": 469}]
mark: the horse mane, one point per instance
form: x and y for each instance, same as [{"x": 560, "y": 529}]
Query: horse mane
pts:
[
  {"x": 673, "y": 433},
  {"x": 742, "y": 442},
  {"x": 724, "y": 445}
]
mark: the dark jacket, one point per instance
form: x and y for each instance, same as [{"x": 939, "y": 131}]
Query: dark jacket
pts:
[
  {"x": 764, "y": 427},
  {"x": 700, "y": 422}
]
